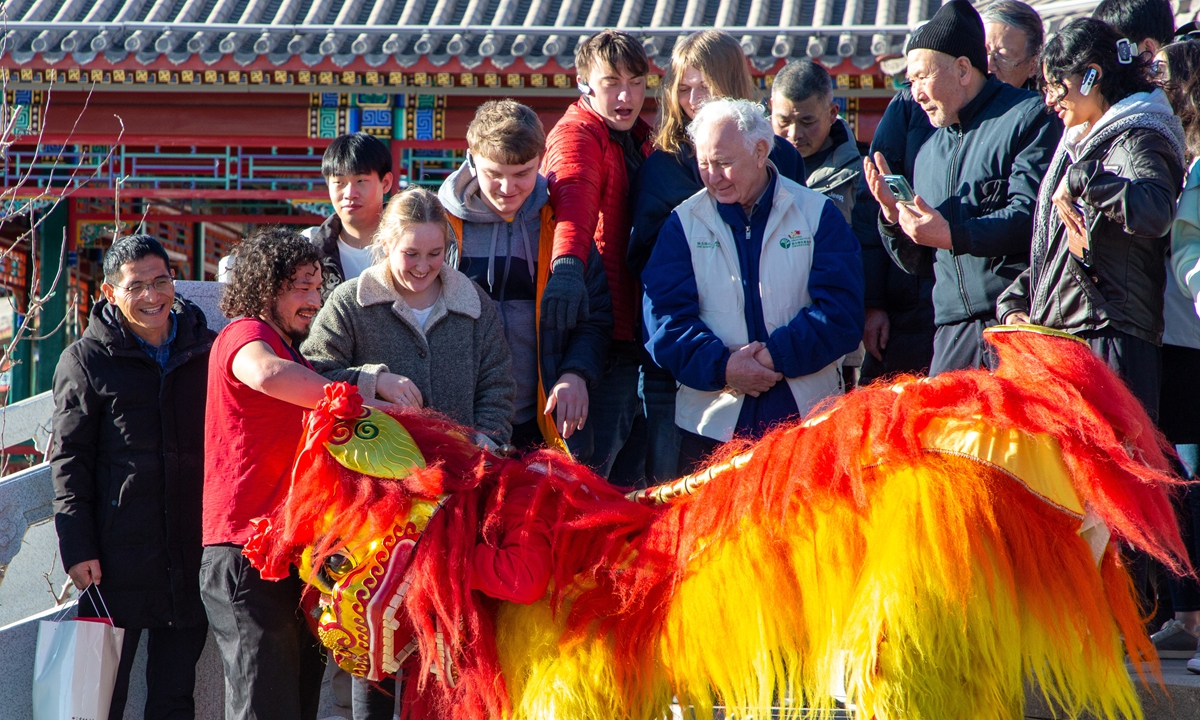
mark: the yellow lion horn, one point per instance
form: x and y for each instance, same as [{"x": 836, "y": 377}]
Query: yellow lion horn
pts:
[{"x": 375, "y": 443}]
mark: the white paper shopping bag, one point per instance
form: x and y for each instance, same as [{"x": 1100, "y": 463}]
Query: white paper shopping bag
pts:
[{"x": 75, "y": 667}]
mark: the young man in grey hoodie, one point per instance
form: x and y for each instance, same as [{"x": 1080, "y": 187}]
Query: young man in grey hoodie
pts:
[{"x": 498, "y": 204}]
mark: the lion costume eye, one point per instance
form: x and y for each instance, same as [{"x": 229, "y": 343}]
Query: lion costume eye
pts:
[{"x": 338, "y": 564}]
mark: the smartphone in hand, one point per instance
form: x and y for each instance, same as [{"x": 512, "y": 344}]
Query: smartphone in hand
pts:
[{"x": 899, "y": 186}]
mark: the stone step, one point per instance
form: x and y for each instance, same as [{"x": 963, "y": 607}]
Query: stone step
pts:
[{"x": 1177, "y": 699}]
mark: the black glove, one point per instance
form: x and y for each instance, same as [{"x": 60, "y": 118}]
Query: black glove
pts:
[{"x": 565, "y": 300}]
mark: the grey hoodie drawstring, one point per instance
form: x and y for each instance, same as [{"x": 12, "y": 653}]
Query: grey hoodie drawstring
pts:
[
  {"x": 529, "y": 262},
  {"x": 492, "y": 258},
  {"x": 528, "y": 250}
]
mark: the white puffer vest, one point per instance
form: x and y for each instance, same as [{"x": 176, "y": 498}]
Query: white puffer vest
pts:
[{"x": 784, "y": 264}]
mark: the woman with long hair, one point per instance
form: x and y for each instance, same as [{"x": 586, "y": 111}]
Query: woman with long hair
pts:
[
  {"x": 704, "y": 65},
  {"x": 1177, "y": 70},
  {"x": 1105, "y": 207}
]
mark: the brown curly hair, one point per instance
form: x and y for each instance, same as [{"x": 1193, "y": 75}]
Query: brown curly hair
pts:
[
  {"x": 1182, "y": 86},
  {"x": 262, "y": 265}
]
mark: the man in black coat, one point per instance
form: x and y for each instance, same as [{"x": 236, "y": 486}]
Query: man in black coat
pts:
[
  {"x": 976, "y": 179},
  {"x": 128, "y": 469}
]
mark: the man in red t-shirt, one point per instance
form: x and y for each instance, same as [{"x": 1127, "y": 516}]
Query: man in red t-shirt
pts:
[{"x": 258, "y": 389}]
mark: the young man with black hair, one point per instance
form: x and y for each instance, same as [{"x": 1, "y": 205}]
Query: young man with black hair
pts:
[
  {"x": 258, "y": 388},
  {"x": 358, "y": 172},
  {"x": 1148, "y": 23},
  {"x": 129, "y": 400}
]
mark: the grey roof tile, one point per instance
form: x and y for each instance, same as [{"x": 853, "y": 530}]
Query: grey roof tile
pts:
[{"x": 473, "y": 31}]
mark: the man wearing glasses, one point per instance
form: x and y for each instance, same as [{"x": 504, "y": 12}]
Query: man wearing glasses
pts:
[
  {"x": 1014, "y": 42},
  {"x": 128, "y": 469}
]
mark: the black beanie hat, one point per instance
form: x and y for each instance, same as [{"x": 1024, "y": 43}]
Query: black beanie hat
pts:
[{"x": 957, "y": 30}]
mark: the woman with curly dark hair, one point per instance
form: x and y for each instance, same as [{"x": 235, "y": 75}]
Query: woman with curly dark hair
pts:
[
  {"x": 258, "y": 389},
  {"x": 1105, "y": 207}
]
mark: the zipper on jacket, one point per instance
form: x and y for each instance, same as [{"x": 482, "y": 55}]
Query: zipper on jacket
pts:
[
  {"x": 162, "y": 385},
  {"x": 962, "y": 291},
  {"x": 504, "y": 280}
]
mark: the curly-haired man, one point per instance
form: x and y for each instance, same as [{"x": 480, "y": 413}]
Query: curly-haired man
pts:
[{"x": 258, "y": 388}]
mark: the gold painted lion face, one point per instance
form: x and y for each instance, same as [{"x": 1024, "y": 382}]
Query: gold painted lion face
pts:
[
  {"x": 363, "y": 586},
  {"x": 362, "y": 591}
]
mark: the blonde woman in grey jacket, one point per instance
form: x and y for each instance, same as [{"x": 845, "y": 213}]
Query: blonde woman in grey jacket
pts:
[{"x": 414, "y": 331}]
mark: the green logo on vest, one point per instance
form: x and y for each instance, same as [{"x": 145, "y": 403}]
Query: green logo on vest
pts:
[
  {"x": 707, "y": 244},
  {"x": 794, "y": 240}
]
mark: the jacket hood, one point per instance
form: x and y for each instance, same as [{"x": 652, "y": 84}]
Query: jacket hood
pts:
[
  {"x": 1149, "y": 104},
  {"x": 107, "y": 326},
  {"x": 461, "y": 196}
]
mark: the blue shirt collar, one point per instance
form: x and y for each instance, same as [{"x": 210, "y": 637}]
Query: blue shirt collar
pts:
[{"x": 159, "y": 353}]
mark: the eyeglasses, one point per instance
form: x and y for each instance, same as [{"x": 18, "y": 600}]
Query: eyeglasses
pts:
[
  {"x": 161, "y": 286},
  {"x": 1158, "y": 71},
  {"x": 1005, "y": 64}
]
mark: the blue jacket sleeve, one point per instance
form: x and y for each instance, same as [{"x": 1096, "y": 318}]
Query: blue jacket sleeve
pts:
[
  {"x": 679, "y": 341},
  {"x": 663, "y": 182},
  {"x": 832, "y": 324}
]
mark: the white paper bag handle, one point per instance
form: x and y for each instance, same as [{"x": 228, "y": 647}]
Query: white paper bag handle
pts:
[
  {"x": 58, "y": 616},
  {"x": 94, "y": 587}
]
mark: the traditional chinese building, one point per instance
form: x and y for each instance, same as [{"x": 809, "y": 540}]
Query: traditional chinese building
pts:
[{"x": 201, "y": 118}]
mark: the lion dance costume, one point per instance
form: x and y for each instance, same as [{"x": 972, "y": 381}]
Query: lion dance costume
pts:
[{"x": 919, "y": 550}]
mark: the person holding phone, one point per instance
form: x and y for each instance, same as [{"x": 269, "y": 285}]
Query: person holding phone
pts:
[
  {"x": 1104, "y": 213},
  {"x": 975, "y": 181}
]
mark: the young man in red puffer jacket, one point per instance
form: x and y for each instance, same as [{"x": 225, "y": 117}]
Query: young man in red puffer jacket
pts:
[{"x": 591, "y": 158}]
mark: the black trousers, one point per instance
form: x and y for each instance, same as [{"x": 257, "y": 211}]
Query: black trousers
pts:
[
  {"x": 1138, "y": 362},
  {"x": 694, "y": 451},
  {"x": 905, "y": 353},
  {"x": 961, "y": 347},
  {"x": 273, "y": 664},
  {"x": 171, "y": 655},
  {"x": 373, "y": 701}
]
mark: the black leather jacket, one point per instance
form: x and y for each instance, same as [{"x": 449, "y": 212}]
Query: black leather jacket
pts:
[{"x": 1128, "y": 188}]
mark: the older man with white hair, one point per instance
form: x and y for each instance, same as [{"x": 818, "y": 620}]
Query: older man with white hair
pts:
[{"x": 754, "y": 289}]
